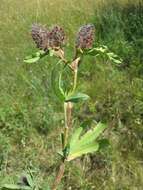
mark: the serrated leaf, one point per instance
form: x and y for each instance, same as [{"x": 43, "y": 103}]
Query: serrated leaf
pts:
[
  {"x": 77, "y": 97},
  {"x": 15, "y": 187}
]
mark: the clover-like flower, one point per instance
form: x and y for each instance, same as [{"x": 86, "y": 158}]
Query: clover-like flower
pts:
[
  {"x": 40, "y": 36},
  {"x": 56, "y": 37},
  {"x": 46, "y": 39},
  {"x": 85, "y": 37}
]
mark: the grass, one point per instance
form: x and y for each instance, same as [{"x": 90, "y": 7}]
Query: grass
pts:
[{"x": 30, "y": 115}]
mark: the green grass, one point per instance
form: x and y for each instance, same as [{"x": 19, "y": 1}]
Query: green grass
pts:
[{"x": 30, "y": 114}]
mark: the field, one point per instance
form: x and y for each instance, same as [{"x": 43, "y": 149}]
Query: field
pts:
[{"x": 31, "y": 116}]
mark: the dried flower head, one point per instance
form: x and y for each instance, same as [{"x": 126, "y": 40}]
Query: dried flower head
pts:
[
  {"x": 45, "y": 39},
  {"x": 85, "y": 37},
  {"x": 56, "y": 37},
  {"x": 40, "y": 36}
]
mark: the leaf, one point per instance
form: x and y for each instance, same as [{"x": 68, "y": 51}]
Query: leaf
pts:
[
  {"x": 56, "y": 82},
  {"x": 92, "y": 134},
  {"x": 117, "y": 61},
  {"x": 83, "y": 144},
  {"x": 31, "y": 60},
  {"x": 35, "y": 57},
  {"x": 87, "y": 148},
  {"x": 15, "y": 187},
  {"x": 77, "y": 97},
  {"x": 75, "y": 137},
  {"x": 97, "y": 51}
]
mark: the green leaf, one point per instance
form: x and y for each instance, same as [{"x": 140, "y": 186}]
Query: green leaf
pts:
[
  {"x": 15, "y": 187},
  {"x": 92, "y": 134},
  {"x": 87, "y": 148},
  {"x": 35, "y": 57},
  {"x": 97, "y": 51},
  {"x": 56, "y": 82},
  {"x": 77, "y": 97},
  {"x": 31, "y": 60},
  {"x": 75, "y": 137},
  {"x": 117, "y": 61},
  {"x": 83, "y": 144}
]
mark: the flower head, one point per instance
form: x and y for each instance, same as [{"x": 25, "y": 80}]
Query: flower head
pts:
[
  {"x": 85, "y": 37},
  {"x": 45, "y": 39},
  {"x": 56, "y": 37},
  {"x": 40, "y": 36}
]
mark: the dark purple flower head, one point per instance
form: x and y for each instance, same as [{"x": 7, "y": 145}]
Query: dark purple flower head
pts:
[
  {"x": 56, "y": 37},
  {"x": 45, "y": 39},
  {"x": 40, "y": 36},
  {"x": 85, "y": 36}
]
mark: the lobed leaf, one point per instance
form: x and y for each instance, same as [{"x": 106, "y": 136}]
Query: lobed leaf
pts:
[{"x": 86, "y": 143}]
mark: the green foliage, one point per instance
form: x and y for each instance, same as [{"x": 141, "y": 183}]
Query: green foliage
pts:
[
  {"x": 35, "y": 57},
  {"x": 77, "y": 97},
  {"x": 56, "y": 81},
  {"x": 104, "y": 53},
  {"x": 26, "y": 182},
  {"x": 86, "y": 143},
  {"x": 28, "y": 126}
]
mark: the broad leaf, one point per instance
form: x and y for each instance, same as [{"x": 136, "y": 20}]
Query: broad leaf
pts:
[
  {"x": 77, "y": 97},
  {"x": 87, "y": 148},
  {"x": 83, "y": 144}
]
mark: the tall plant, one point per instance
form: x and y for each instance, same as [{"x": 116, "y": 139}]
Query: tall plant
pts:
[{"x": 50, "y": 42}]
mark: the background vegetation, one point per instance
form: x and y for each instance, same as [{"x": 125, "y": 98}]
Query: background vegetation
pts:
[{"x": 30, "y": 114}]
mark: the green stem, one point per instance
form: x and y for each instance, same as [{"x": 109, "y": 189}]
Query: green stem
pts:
[
  {"x": 68, "y": 124},
  {"x": 75, "y": 80}
]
